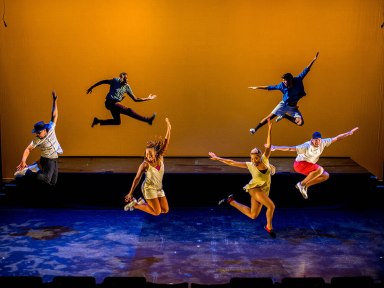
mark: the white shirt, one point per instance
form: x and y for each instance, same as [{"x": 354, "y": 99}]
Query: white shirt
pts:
[
  {"x": 49, "y": 145},
  {"x": 309, "y": 153}
]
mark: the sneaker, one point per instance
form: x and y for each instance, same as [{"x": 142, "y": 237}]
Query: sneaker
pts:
[
  {"x": 279, "y": 118},
  {"x": 150, "y": 120},
  {"x": 141, "y": 201},
  {"x": 273, "y": 169},
  {"x": 228, "y": 200},
  {"x": 95, "y": 122},
  {"x": 302, "y": 189},
  {"x": 21, "y": 172},
  {"x": 130, "y": 206},
  {"x": 270, "y": 232},
  {"x": 34, "y": 167},
  {"x": 252, "y": 131}
]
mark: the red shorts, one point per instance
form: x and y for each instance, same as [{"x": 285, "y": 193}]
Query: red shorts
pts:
[{"x": 304, "y": 167}]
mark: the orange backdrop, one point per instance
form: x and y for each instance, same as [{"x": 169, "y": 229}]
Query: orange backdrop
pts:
[{"x": 198, "y": 57}]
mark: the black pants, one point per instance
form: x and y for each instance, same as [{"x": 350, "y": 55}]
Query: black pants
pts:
[
  {"x": 116, "y": 110},
  {"x": 48, "y": 173}
]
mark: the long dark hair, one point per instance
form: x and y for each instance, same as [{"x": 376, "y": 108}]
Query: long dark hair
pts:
[{"x": 157, "y": 144}]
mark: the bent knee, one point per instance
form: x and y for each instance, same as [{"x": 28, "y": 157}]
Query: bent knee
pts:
[
  {"x": 157, "y": 212},
  {"x": 299, "y": 121},
  {"x": 325, "y": 175}
]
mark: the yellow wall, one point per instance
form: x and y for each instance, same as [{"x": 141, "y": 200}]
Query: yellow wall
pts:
[{"x": 199, "y": 57}]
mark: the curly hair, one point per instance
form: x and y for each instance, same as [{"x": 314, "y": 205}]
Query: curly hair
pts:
[{"x": 157, "y": 144}]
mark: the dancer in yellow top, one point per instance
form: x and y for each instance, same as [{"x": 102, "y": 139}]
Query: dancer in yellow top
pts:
[{"x": 259, "y": 186}]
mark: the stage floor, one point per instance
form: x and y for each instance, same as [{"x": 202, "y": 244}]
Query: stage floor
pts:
[{"x": 205, "y": 245}]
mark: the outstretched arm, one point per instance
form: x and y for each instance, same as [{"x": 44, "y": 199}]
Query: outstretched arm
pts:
[
  {"x": 267, "y": 145},
  {"x": 55, "y": 111},
  {"x": 89, "y": 90},
  {"x": 313, "y": 61},
  {"x": 136, "y": 180},
  {"x": 258, "y": 87},
  {"x": 283, "y": 148},
  {"x": 228, "y": 162},
  {"x": 344, "y": 135},
  {"x": 137, "y": 99}
]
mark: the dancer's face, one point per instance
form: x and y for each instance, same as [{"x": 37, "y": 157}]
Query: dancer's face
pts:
[
  {"x": 150, "y": 155},
  {"x": 316, "y": 142},
  {"x": 123, "y": 78},
  {"x": 255, "y": 156},
  {"x": 41, "y": 134},
  {"x": 287, "y": 83}
]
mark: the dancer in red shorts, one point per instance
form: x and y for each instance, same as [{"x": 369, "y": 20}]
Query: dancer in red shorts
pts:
[{"x": 308, "y": 154}]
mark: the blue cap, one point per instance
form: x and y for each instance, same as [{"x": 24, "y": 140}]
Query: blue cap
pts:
[{"x": 316, "y": 135}]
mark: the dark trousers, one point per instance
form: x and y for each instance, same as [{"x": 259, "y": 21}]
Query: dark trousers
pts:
[
  {"x": 116, "y": 109},
  {"x": 48, "y": 173}
]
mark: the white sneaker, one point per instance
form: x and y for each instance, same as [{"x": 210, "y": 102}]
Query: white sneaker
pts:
[
  {"x": 302, "y": 189},
  {"x": 273, "y": 169},
  {"x": 141, "y": 201},
  {"x": 21, "y": 172},
  {"x": 130, "y": 205},
  {"x": 34, "y": 167},
  {"x": 278, "y": 118},
  {"x": 252, "y": 131}
]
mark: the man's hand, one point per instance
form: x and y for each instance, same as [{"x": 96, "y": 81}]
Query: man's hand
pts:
[
  {"x": 21, "y": 166},
  {"x": 353, "y": 130}
]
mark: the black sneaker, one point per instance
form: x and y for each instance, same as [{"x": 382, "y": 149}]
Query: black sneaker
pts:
[
  {"x": 229, "y": 199},
  {"x": 95, "y": 122},
  {"x": 150, "y": 120}
]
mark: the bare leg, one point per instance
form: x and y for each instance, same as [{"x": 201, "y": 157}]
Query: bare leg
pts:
[
  {"x": 252, "y": 212},
  {"x": 323, "y": 177},
  {"x": 311, "y": 176},
  {"x": 152, "y": 207},
  {"x": 258, "y": 200},
  {"x": 262, "y": 198},
  {"x": 164, "y": 204}
]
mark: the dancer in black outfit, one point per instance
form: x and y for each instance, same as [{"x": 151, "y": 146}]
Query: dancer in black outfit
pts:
[{"x": 118, "y": 87}]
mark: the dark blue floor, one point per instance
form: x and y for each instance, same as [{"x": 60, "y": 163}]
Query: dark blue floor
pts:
[{"x": 193, "y": 244}]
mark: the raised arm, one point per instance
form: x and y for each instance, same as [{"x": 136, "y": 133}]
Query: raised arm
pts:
[
  {"x": 55, "y": 111},
  {"x": 89, "y": 90},
  {"x": 228, "y": 162},
  {"x": 267, "y": 151},
  {"x": 313, "y": 61},
  {"x": 258, "y": 87},
  {"x": 167, "y": 135},
  {"x": 344, "y": 135}
]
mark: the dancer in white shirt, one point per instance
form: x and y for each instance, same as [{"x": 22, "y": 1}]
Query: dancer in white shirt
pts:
[{"x": 308, "y": 154}]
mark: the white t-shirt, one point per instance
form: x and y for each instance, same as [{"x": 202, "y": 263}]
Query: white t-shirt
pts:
[
  {"x": 49, "y": 146},
  {"x": 309, "y": 153}
]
